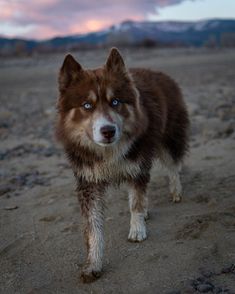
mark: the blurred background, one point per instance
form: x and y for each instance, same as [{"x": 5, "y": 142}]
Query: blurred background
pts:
[{"x": 28, "y": 27}]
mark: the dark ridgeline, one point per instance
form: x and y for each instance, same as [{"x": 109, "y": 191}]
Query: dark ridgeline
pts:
[{"x": 209, "y": 33}]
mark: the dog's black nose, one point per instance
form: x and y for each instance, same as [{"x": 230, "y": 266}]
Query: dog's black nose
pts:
[{"x": 108, "y": 132}]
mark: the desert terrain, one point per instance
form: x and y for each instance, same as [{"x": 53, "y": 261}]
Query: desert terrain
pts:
[{"x": 190, "y": 246}]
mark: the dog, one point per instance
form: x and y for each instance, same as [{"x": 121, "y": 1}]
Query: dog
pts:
[{"x": 113, "y": 123}]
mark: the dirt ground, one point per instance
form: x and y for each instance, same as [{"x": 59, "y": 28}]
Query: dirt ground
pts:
[{"x": 190, "y": 246}]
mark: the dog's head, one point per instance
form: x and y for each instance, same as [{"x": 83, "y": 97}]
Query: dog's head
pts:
[{"x": 98, "y": 107}]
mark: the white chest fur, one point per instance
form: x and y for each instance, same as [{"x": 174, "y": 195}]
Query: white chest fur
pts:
[{"x": 110, "y": 170}]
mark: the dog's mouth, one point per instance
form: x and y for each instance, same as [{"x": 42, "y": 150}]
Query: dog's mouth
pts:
[{"x": 107, "y": 142}]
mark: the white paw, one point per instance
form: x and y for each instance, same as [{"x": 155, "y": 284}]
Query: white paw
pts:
[
  {"x": 176, "y": 198},
  {"x": 138, "y": 229}
]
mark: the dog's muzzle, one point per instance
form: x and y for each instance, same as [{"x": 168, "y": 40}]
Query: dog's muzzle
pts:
[{"x": 105, "y": 133}]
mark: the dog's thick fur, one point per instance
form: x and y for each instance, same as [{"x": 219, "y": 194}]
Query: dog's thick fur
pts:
[{"x": 113, "y": 122}]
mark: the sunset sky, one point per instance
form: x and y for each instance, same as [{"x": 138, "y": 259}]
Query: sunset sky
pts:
[{"x": 42, "y": 19}]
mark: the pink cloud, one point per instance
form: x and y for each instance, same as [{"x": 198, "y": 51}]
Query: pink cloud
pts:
[{"x": 50, "y": 18}]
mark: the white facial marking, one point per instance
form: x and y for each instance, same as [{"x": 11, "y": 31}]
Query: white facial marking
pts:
[
  {"x": 71, "y": 114},
  {"x": 109, "y": 93},
  {"x": 98, "y": 89},
  {"x": 92, "y": 96},
  {"x": 97, "y": 136}
]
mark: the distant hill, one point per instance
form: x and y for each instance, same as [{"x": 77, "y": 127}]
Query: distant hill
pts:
[{"x": 214, "y": 32}]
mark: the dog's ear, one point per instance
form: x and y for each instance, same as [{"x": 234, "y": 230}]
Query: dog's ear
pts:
[
  {"x": 70, "y": 71},
  {"x": 115, "y": 62}
]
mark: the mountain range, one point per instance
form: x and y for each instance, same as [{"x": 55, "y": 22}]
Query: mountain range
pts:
[{"x": 214, "y": 32}]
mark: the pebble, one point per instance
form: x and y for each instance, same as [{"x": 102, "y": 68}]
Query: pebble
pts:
[
  {"x": 49, "y": 218},
  {"x": 201, "y": 280},
  {"x": 205, "y": 288},
  {"x": 228, "y": 269},
  {"x": 11, "y": 207},
  {"x": 207, "y": 274},
  {"x": 203, "y": 285}
]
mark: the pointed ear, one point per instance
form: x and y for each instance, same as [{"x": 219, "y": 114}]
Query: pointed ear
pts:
[
  {"x": 69, "y": 72},
  {"x": 115, "y": 62}
]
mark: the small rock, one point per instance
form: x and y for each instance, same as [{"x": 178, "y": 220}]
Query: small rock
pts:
[
  {"x": 206, "y": 273},
  {"x": 194, "y": 283},
  {"x": 228, "y": 269},
  {"x": 201, "y": 280},
  {"x": 50, "y": 218},
  {"x": 11, "y": 207},
  {"x": 205, "y": 288}
]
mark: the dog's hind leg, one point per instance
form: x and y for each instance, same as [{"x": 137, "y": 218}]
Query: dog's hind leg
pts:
[
  {"x": 138, "y": 203},
  {"x": 173, "y": 171},
  {"x": 175, "y": 183}
]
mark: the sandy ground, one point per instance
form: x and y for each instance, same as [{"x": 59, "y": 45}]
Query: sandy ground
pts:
[{"x": 191, "y": 245}]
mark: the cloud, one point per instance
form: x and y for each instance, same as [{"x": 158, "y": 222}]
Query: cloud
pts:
[{"x": 49, "y": 18}]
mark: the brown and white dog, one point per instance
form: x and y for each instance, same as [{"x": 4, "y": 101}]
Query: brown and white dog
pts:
[{"x": 113, "y": 123}]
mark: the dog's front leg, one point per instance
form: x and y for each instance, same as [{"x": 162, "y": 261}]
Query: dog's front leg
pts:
[
  {"x": 92, "y": 207},
  {"x": 138, "y": 208}
]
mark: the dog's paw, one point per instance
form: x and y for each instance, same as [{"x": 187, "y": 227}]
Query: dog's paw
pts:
[
  {"x": 176, "y": 198},
  {"x": 137, "y": 234},
  {"x": 88, "y": 275}
]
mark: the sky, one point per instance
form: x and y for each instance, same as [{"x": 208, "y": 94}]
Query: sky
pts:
[{"x": 43, "y": 19}]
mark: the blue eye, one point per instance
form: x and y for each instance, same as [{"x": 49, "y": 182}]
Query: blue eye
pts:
[
  {"x": 115, "y": 102},
  {"x": 87, "y": 105}
]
